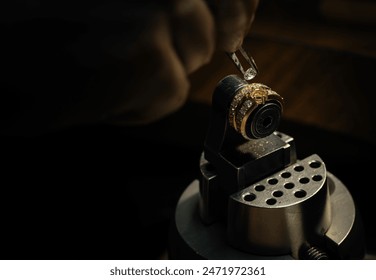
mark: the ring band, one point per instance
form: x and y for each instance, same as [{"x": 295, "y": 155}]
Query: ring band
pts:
[{"x": 247, "y": 100}]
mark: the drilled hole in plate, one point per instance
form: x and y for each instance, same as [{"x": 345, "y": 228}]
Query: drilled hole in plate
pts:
[
  {"x": 286, "y": 175},
  {"x": 249, "y": 197},
  {"x": 317, "y": 178},
  {"x": 259, "y": 188},
  {"x": 299, "y": 168},
  {"x": 271, "y": 201},
  {"x": 315, "y": 164},
  {"x": 272, "y": 181},
  {"x": 289, "y": 185},
  {"x": 304, "y": 180},
  {"x": 300, "y": 193},
  {"x": 277, "y": 193}
]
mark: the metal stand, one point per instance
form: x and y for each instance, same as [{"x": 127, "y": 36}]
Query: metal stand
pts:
[{"x": 255, "y": 199}]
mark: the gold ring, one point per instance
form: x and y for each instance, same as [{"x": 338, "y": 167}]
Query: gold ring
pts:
[{"x": 246, "y": 100}]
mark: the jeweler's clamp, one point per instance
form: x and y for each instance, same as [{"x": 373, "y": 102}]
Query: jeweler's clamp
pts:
[{"x": 255, "y": 199}]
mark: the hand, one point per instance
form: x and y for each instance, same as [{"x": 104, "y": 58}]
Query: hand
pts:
[
  {"x": 123, "y": 62},
  {"x": 183, "y": 44},
  {"x": 233, "y": 20}
]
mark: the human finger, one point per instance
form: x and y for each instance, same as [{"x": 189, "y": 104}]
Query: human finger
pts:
[
  {"x": 233, "y": 20},
  {"x": 193, "y": 32}
]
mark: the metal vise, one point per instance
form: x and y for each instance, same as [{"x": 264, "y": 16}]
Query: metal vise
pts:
[{"x": 255, "y": 199}]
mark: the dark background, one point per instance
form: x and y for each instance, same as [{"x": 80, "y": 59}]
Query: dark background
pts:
[{"x": 107, "y": 192}]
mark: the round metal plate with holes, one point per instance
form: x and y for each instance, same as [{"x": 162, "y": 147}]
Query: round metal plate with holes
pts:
[
  {"x": 281, "y": 212},
  {"x": 291, "y": 186}
]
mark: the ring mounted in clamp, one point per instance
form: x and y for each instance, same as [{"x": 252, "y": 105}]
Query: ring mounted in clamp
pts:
[
  {"x": 255, "y": 111},
  {"x": 255, "y": 198}
]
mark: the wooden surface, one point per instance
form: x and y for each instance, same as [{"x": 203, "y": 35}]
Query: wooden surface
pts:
[{"x": 324, "y": 69}]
